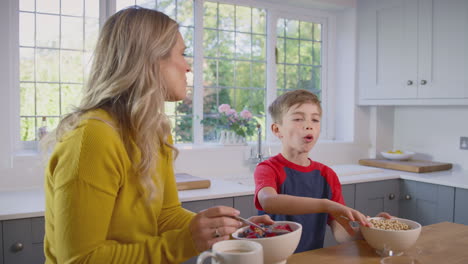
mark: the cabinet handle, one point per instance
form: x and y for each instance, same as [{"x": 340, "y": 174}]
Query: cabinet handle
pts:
[
  {"x": 409, "y": 82},
  {"x": 391, "y": 196},
  {"x": 423, "y": 82},
  {"x": 407, "y": 197},
  {"x": 17, "y": 247}
]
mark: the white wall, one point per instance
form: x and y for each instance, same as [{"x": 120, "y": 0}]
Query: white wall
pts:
[{"x": 433, "y": 132}]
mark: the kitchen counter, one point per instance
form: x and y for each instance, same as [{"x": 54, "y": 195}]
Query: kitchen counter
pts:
[{"x": 30, "y": 202}]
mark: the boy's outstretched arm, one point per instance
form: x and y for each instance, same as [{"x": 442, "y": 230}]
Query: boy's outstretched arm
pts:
[
  {"x": 274, "y": 203},
  {"x": 343, "y": 235}
]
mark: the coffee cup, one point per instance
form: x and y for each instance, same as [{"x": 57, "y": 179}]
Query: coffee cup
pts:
[{"x": 234, "y": 252}]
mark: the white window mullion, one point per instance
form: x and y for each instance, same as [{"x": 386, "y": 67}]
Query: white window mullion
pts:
[
  {"x": 197, "y": 69},
  {"x": 271, "y": 21},
  {"x": 106, "y": 9}
]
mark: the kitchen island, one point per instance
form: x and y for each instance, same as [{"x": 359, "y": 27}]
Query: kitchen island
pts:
[{"x": 438, "y": 243}]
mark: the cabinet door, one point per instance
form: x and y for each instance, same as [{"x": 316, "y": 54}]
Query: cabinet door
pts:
[
  {"x": 461, "y": 208},
  {"x": 348, "y": 191},
  {"x": 375, "y": 197},
  {"x": 387, "y": 48},
  {"x": 443, "y": 58},
  {"x": 23, "y": 241},
  {"x": 246, "y": 206},
  {"x": 426, "y": 203}
]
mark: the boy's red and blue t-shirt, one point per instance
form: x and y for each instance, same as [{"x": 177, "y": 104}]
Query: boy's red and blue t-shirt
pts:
[{"x": 315, "y": 181}]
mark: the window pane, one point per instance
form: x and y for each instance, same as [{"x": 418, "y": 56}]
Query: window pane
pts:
[
  {"x": 226, "y": 73},
  {"x": 306, "y": 30},
  {"x": 317, "y": 32},
  {"x": 209, "y": 73},
  {"x": 48, "y": 6},
  {"x": 226, "y": 17},
  {"x": 72, "y": 33},
  {"x": 258, "y": 47},
  {"x": 280, "y": 76},
  {"x": 243, "y": 46},
  {"x": 292, "y": 51},
  {"x": 210, "y": 43},
  {"x": 48, "y": 28},
  {"x": 26, "y": 64},
  {"x": 26, "y": 29},
  {"x": 120, "y": 4},
  {"x": 226, "y": 44},
  {"x": 27, "y": 102},
  {"x": 70, "y": 96},
  {"x": 210, "y": 16},
  {"x": 292, "y": 28},
  {"x": 243, "y": 19},
  {"x": 27, "y": 129},
  {"x": 71, "y": 66},
  {"x": 47, "y": 99},
  {"x": 26, "y": 5},
  {"x": 281, "y": 28},
  {"x": 185, "y": 12},
  {"x": 72, "y": 7},
  {"x": 92, "y": 8},
  {"x": 305, "y": 78},
  {"x": 317, "y": 53},
  {"x": 187, "y": 35},
  {"x": 258, "y": 75},
  {"x": 168, "y": 7},
  {"x": 47, "y": 65},
  {"x": 183, "y": 129},
  {"x": 280, "y": 50},
  {"x": 91, "y": 32},
  {"x": 259, "y": 25},
  {"x": 210, "y": 101},
  {"x": 151, "y": 4},
  {"x": 243, "y": 76},
  {"x": 306, "y": 52},
  {"x": 291, "y": 76}
]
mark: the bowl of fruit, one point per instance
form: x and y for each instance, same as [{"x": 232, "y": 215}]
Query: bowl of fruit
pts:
[
  {"x": 397, "y": 154},
  {"x": 279, "y": 242}
]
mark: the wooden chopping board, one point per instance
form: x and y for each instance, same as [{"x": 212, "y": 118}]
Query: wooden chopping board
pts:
[
  {"x": 185, "y": 181},
  {"x": 418, "y": 166}
]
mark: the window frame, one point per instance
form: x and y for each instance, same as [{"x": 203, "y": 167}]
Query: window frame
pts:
[{"x": 10, "y": 104}]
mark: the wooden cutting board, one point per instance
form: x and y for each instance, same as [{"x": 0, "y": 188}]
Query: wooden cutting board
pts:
[
  {"x": 185, "y": 181},
  {"x": 418, "y": 166}
]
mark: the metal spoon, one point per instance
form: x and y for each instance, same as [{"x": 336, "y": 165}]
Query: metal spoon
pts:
[{"x": 248, "y": 222}]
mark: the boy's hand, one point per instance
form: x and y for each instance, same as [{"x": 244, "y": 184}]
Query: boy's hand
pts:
[
  {"x": 262, "y": 219},
  {"x": 344, "y": 215}
]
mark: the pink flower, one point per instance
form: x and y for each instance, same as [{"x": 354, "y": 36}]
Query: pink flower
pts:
[
  {"x": 224, "y": 108},
  {"x": 231, "y": 112},
  {"x": 246, "y": 114}
]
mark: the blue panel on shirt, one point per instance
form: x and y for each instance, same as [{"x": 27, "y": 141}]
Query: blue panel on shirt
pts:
[{"x": 306, "y": 184}]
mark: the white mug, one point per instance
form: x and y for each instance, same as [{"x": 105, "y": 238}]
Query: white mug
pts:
[{"x": 234, "y": 252}]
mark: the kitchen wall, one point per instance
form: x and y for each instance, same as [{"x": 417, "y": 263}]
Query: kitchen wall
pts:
[{"x": 433, "y": 132}]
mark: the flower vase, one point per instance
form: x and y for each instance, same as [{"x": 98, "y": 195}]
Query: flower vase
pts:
[{"x": 231, "y": 138}]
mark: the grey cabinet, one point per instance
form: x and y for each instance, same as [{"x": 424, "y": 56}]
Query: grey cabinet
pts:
[
  {"x": 246, "y": 206},
  {"x": 461, "y": 208},
  {"x": 349, "y": 192},
  {"x": 23, "y": 241},
  {"x": 375, "y": 197},
  {"x": 426, "y": 203},
  {"x": 1, "y": 243},
  {"x": 197, "y": 206}
]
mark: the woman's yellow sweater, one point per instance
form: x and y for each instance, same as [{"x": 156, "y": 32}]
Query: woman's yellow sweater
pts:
[{"x": 94, "y": 210}]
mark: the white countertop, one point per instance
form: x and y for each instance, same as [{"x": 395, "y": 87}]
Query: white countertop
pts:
[{"x": 30, "y": 202}]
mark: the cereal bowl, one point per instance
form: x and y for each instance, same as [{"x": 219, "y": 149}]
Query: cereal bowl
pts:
[
  {"x": 397, "y": 241},
  {"x": 276, "y": 249}
]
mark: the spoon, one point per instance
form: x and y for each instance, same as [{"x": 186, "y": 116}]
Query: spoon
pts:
[{"x": 248, "y": 222}]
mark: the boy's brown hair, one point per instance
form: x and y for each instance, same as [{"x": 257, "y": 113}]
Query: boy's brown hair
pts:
[{"x": 285, "y": 101}]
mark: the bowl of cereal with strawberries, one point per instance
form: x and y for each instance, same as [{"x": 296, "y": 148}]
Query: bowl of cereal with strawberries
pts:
[
  {"x": 391, "y": 236},
  {"x": 279, "y": 242}
]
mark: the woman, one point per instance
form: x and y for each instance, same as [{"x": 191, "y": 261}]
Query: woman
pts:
[{"x": 110, "y": 189}]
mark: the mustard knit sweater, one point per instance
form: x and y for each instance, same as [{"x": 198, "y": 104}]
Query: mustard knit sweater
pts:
[{"x": 94, "y": 210}]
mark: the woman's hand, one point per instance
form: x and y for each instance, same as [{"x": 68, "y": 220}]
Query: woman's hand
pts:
[
  {"x": 344, "y": 215},
  {"x": 213, "y": 225}
]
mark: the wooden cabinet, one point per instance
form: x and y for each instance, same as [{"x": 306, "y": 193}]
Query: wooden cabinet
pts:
[
  {"x": 426, "y": 203},
  {"x": 23, "y": 241},
  {"x": 375, "y": 197},
  {"x": 412, "y": 52},
  {"x": 461, "y": 208}
]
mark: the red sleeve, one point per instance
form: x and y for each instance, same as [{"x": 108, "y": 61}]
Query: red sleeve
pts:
[
  {"x": 265, "y": 176},
  {"x": 335, "y": 185}
]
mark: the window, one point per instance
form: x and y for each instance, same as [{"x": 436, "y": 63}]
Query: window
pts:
[
  {"x": 299, "y": 56},
  {"x": 56, "y": 42},
  {"x": 234, "y": 67},
  {"x": 57, "y": 38}
]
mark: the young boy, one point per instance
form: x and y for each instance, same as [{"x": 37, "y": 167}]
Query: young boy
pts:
[{"x": 292, "y": 187}]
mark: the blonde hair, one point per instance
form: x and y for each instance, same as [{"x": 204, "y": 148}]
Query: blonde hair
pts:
[
  {"x": 126, "y": 81},
  {"x": 284, "y": 102}
]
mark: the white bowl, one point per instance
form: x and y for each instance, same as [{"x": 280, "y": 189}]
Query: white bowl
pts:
[
  {"x": 406, "y": 155},
  {"x": 396, "y": 241},
  {"x": 276, "y": 249}
]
